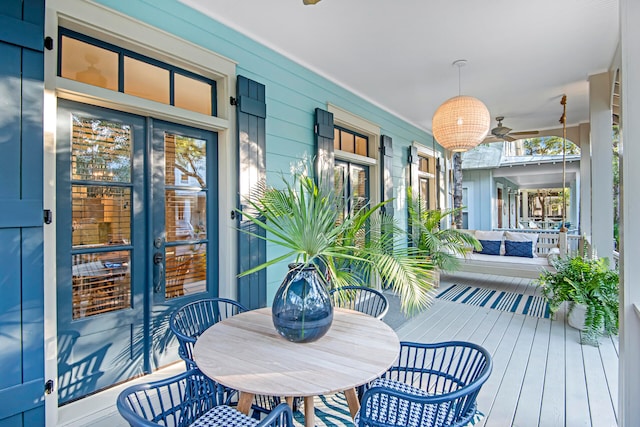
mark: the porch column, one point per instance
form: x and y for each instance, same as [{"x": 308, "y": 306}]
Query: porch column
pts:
[
  {"x": 573, "y": 202},
  {"x": 629, "y": 369},
  {"x": 601, "y": 157},
  {"x": 525, "y": 204},
  {"x": 585, "y": 180}
]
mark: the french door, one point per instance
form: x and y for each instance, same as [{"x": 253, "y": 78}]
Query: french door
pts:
[{"x": 136, "y": 238}]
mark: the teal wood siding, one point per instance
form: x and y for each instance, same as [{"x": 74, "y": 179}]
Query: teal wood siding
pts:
[
  {"x": 294, "y": 92},
  {"x": 21, "y": 221}
]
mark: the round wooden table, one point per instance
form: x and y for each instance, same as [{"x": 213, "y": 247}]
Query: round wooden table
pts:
[{"x": 246, "y": 353}]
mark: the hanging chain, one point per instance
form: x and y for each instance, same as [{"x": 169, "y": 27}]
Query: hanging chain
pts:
[{"x": 563, "y": 120}]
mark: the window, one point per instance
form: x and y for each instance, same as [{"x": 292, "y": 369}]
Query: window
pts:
[
  {"x": 101, "y": 64},
  {"x": 350, "y": 142}
]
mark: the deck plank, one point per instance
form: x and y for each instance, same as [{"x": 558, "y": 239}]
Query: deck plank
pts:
[
  {"x": 576, "y": 398},
  {"x": 511, "y": 387},
  {"x": 600, "y": 404},
  {"x": 530, "y": 399}
]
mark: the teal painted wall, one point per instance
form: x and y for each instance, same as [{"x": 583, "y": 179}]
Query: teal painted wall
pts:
[{"x": 292, "y": 91}]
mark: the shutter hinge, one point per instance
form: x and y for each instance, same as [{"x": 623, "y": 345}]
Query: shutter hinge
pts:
[
  {"x": 47, "y": 216},
  {"x": 233, "y": 101},
  {"x": 383, "y": 150},
  {"x": 48, "y": 387}
]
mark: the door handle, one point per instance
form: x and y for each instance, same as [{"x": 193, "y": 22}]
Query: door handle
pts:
[{"x": 158, "y": 259}]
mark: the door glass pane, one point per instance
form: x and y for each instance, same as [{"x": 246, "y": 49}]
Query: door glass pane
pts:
[
  {"x": 101, "y": 215},
  {"x": 185, "y": 215},
  {"x": 101, "y": 282},
  {"x": 185, "y": 161},
  {"x": 186, "y": 270},
  {"x": 100, "y": 150}
]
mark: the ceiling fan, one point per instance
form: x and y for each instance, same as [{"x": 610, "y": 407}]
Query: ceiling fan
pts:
[{"x": 503, "y": 133}]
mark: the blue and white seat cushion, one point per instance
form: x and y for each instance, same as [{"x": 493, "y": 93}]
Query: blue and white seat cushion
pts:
[
  {"x": 225, "y": 416},
  {"x": 407, "y": 414}
]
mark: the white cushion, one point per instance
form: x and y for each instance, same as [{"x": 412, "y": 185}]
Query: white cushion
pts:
[{"x": 489, "y": 235}]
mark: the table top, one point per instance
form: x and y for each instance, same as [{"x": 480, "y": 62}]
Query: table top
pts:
[{"x": 246, "y": 353}]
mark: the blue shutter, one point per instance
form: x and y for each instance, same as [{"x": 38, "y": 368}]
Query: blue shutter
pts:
[
  {"x": 252, "y": 251},
  {"x": 21, "y": 222},
  {"x": 325, "y": 157}
]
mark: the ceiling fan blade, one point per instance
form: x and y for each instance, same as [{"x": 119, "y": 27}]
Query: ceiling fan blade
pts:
[
  {"x": 528, "y": 132},
  {"x": 508, "y": 138}
]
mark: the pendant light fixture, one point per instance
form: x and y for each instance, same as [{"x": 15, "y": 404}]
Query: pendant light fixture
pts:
[{"x": 462, "y": 122}]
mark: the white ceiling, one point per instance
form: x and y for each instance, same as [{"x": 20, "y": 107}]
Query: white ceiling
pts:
[{"x": 522, "y": 55}]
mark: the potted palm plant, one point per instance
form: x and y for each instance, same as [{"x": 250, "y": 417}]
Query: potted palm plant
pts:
[
  {"x": 443, "y": 246},
  {"x": 356, "y": 248},
  {"x": 591, "y": 289}
]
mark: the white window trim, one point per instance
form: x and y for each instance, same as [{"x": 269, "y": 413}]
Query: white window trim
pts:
[{"x": 110, "y": 26}]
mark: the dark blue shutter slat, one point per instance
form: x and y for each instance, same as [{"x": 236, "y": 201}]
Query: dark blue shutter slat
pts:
[
  {"x": 252, "y": 251},
  {"x": 21, "y": 220},
  {"x": 386, "y": 148},
  {"x": 325, "y": 156}
]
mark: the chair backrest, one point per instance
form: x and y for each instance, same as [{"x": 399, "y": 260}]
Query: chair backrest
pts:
[
  {"x": 361, "y": 298},
  {"x": 175, "y": 401},
  {"x": 443, "y": 377},
  {"x": 191, "y": 320},
  {"x": 182, "y": 399}
]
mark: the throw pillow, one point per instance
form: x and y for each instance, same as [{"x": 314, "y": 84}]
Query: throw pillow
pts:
[
  {"x": 490, "y": 247},
  {"x": 521, "y": 249}
]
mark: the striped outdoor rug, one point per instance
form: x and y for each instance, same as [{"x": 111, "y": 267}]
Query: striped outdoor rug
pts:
[
  {"x": 331, "y": 411},
  {"x": 498, "y": 300}
]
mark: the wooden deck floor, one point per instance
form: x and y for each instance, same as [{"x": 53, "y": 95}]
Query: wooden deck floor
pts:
[{"x": 542, "y": 376}]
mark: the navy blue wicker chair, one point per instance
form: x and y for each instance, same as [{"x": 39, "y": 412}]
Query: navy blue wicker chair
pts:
[
  {"x": 361, "y": 298},
  {"x": 431, "y": 385},
  {"x": 189, "y": 399},
  {"x": 192, "y": 319}
]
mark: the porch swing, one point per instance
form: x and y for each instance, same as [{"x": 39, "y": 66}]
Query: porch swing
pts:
[{"x": 544, "y": 247}]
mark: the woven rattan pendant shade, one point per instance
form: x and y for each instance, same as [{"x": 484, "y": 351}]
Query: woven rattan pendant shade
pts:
[{"x": 461, "y": 123}]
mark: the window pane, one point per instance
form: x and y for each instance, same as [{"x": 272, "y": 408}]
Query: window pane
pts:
[
  {"x": 192, "y": 94},
  {"x": 361, "y": 146},
  {"x": 186, "y": 270},
  {"x": 101, "y": 215},
  {"x": 336, "y": 138},
  {"x": 185, "y": 161},
  {"x": 348, "y": 142},
  {"x": 100, "y": 150},
  {"x": 185, "y": 215},
  {"x": 101, "y": 282},
  {"x": 89, "y": 64},
  {"x": 145, "y": 80}
]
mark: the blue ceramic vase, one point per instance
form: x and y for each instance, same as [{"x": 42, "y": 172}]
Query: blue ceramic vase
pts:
[{"x": 302, "y": 310}]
